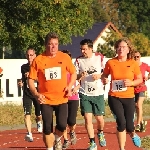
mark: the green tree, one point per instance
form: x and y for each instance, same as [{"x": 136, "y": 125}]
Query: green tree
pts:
[
  {"x": 3, "y": 31},
  {"x": 104, "y": 11},
  {"x": 28, "y": 21},
  {"x": 134, "y": 16},
  {"x": 141, "y": 43},
  {"x": 107, "y": 49}
]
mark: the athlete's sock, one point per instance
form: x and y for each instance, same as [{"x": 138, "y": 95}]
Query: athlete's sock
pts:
[
  {"x": 92, "y": 140},
  {"x": 100, "y": 131},
  {"x": 29, "y": 133},
  {"x": 50, "y": 148}
]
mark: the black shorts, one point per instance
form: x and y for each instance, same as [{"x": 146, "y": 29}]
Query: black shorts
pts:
[
  {"x": 137, "y": 95},
  {"x": 72, "y": 112},
  {"x": 27, "y": 105},
  {"x": 61, "y": 112}
]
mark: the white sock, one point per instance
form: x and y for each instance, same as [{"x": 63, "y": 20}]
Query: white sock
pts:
[
  {"x": 50, "y": 148},
  {"x": 29, "y": 133},
  {"x": 57, "y": 138}
]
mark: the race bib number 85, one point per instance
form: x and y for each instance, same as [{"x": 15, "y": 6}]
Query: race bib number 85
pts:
[
  {"x": 118, "y": 86},
  {"x": 53, "y": 73}
]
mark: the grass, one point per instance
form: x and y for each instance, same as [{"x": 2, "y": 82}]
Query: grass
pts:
[
  {"x": 146, "y": 142},
  {"x": 13, "y": 114}
]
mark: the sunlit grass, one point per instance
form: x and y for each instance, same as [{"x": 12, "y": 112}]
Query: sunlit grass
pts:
[{"x": 11, "y": 114}]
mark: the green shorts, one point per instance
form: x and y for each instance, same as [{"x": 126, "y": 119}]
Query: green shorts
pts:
[{"x": 92, "y": 104}]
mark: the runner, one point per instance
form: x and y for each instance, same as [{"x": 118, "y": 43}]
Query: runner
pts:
[
  {"x": 123, "y": 69},
  {"x": 140, "y": 94},
  {"x": 73, "y": 105},
  {"x": 91, "y": 92},
  {"x": 51, "y": 68},
  {"x": 28, "y": 98}
]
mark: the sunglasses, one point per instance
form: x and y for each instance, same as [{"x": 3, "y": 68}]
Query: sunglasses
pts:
[{"x": 136, "y": 56}]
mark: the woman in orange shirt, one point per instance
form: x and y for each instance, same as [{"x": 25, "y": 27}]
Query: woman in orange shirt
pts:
[{"x": 123, "y": 69}]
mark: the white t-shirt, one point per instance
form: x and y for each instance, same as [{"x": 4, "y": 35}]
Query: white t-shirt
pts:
[{"x": 93, "y": 65}]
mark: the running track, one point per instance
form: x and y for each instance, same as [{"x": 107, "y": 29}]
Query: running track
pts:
[{"x": 14, "y": 139}]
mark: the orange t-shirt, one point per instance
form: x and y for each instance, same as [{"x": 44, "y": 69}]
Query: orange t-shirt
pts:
[
  {"x": 51, "y": 74},
  {"x": 120, "y": 71}
]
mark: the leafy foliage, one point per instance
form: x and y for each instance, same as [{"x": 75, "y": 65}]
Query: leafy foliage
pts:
[
  {"x": 134, "y": 16},
  {"x": 28, "y": 21},
  {"x": 105, "y": 11},
  {"x": 141, "y": 43}
]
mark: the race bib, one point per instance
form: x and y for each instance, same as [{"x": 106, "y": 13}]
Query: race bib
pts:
[
  {"x": 90, "y": 88},
  {"x": 53, "y": 73},
  {"x": 35, "y": 83},
  {"x": 118, "y": 86}
]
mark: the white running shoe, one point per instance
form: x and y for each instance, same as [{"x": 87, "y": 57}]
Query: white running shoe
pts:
[
  {"x": 29, "y": 137},
  {"x": 39, "y": 127}
]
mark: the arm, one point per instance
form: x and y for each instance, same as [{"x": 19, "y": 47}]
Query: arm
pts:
[
  {"x": 73, "y": 78},
  {"x": 32, "y": 87},
  {"x": 75, "y": 89},
  {"x": 79, "y": 76},
  {"x": 138, "y": 75},
  {"x": 71, "y": 69},
  {"x": 148, "y": 76},
  {"x": 20, "y": 83},
  {"x": 137, "y": 81},
  {"x": 106, "y": 72},
  {"x": 32, "y": 77},
  {"x": 148, "y": 70}
]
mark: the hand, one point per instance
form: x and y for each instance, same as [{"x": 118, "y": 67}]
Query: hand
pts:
[
  {"x": 40, "y": 98},
  {"x": 128, "y": 82},
  {"x": 96, "y": 76},
  {"x": 68, "y": 91},
  {"x": 105, "y": 81},
  {"x": 20, "y": 83},
  {"x": 74, "y": 91},
  {"x": 26, "y": 74},
  {"x": 83, "y": 74}
]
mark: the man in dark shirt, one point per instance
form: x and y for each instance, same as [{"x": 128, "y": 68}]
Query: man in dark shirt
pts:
[{"x": 28, "y": 98}]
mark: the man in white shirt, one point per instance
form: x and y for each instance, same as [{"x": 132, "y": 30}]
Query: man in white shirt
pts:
[{"x": 91, "y": 92}]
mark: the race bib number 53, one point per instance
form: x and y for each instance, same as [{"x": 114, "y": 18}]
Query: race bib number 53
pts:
[
  {"x": 53, "y": 73},
  {"x": 118, "y": 86}
]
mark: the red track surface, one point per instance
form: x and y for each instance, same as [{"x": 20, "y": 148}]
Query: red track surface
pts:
[{"x": 14, "y": 139}]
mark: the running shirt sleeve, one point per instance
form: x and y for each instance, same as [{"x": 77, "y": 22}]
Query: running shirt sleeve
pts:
[
  {"x": 33, "y": 70},
  {"x": 70, "y": 67},
  {"x": 137, "y": 70},
  {"x": 106, "y": 70}
]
